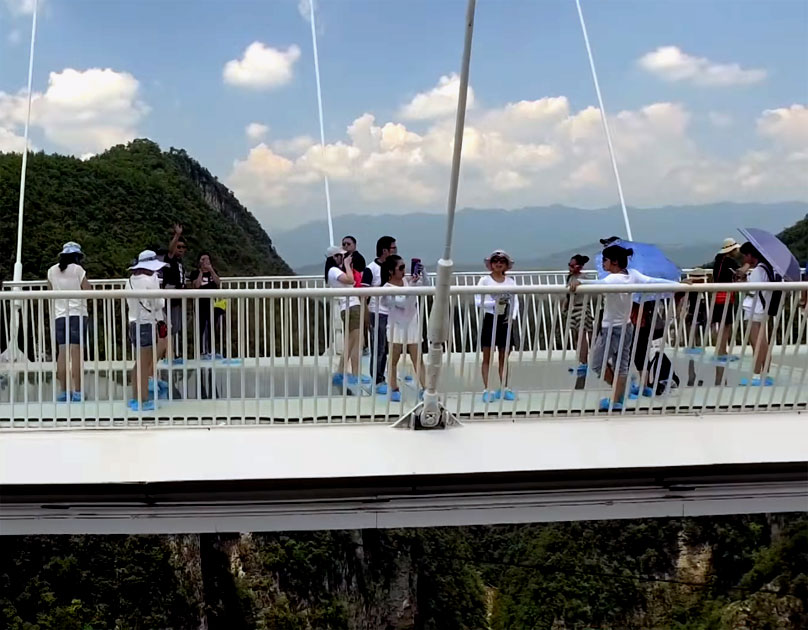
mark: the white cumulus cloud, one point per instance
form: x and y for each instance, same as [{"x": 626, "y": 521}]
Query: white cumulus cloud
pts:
[
  {"x": 256, "y": 131},
  {"x": 82, "y": 110},
  {"x": 262, "y": 67},
  {"x": 787, "y": 125},
  {"x": 670, "y": 63},
  {"x": 440, "y": 101}
]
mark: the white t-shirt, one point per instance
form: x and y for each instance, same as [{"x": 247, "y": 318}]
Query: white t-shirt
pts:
[
  {"x": 402, "y": 309},
  {"x": 498, "y": 304},
  {"x": 144, "y": 310},
  {"x": 68, "y": 280},
  {"x": 334, "y": 275},
  {"x": 375, "y": 303},
  {"x": 617, "y": 306},
  {"x": 752, "y": 303}
]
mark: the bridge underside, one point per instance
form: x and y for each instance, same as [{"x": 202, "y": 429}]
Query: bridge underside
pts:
[{"x": 360, "y": 476}]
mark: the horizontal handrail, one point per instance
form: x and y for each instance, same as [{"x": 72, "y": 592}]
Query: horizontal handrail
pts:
[{"x": 585, "y": 288}]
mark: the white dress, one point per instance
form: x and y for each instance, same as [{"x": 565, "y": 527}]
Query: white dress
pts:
[{"x": 403, "y": 320}]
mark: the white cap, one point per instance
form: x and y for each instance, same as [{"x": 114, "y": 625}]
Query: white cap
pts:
[
  {"x": 334, "y": 250},
  {"x": 71, "y": 248},
  {"x": 147, "y": 259}
]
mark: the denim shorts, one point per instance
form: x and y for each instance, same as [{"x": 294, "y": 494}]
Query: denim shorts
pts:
[
  {"x": 147, "y": 334},
  {"x": 77, "y": 329}
]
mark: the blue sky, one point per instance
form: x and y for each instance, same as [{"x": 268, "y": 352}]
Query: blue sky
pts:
[{"x": 708, "y": 136}]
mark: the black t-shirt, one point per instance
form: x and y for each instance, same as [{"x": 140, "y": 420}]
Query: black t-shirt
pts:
[
  {"x": 174, "y": 274},
  {"x": 724, "y": 268},
  {"x": 207, "y": 283},
  {"x": 207, "y": 280}
]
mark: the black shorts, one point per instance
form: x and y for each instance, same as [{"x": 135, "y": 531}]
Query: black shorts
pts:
[
  {"x": 502, "y": 338},
  {"x": 719, "y": 315}
]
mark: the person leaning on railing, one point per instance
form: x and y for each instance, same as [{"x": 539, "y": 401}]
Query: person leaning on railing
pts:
[{"x": 69, "y": 318}]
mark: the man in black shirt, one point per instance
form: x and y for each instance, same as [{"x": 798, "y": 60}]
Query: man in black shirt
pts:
[{"x": 174, "y": 278}]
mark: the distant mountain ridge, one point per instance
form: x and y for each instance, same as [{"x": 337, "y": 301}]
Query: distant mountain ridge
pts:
[{"x": 539, "y": 233}]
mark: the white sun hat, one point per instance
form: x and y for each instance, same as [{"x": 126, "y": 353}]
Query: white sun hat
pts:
[{"x": 147, "y": 259}]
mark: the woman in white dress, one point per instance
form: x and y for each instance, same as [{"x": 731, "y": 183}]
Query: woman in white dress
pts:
[{"x": 403, "y": 321}]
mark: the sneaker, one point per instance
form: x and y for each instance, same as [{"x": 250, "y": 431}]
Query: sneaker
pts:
[
  {"x": 606, "y": 404},
  {"x": 177, "y": 361},
  {"x": 218, "y": 356},
  {"x": 634, "y": 391},
  {"x": 366, "y": 380},
  {"x": 498, "y": 394},
  {"x": 207, "y": 356},
  {"x": 338, "y": 379},
  {"x": 381, "y": 388},
  {"x": 581, "y": 370},
  {"x": 756, "y": 382},
  {"x": 395, "y": 395},
  {"x": 509, "y": 395},
  {"x": 408, "y": 378},
  {"x": 132, "y": 404},
  {"x": 723, "y": 359},
  {"x": 488, "y": 396},
  {"x": 75, "y": 397},
  {"x": 693, "y": 351},
  {"x": 62, "y": 397},
  {"x": 353, "y": 379}
]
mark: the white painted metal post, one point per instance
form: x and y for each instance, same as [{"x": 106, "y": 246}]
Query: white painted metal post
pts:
[
  {"x": 433, "y": 414},
  {"x": 605, "y": 122}
]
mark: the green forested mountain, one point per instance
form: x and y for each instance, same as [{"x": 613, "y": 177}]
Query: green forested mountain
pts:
[
  {"x": 796, "y": 237},
  {"x": 121, "y": 202},
  {"x": 726, "y": 573}
]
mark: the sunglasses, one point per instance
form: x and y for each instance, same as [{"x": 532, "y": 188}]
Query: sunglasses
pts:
[
  {"x": 497, "y": 259},
  {"x": 401, "y": 267}
]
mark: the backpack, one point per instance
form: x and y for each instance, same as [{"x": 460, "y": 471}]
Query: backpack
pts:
[
  {"x": 777, "y": 296},
  {"x": 667, "y": 379}
]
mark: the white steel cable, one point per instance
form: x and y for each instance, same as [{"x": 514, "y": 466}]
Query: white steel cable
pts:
[
  {"x": 604, "y": 121},
  {"x": 322, "y": 124},
  {"x": 23, "y": 170}
]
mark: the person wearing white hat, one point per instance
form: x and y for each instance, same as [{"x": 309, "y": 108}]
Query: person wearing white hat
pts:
[
  {"x": 69, "y": 319},
  {"x": 147, "y": 327},
  {"x": 499, "y": 315},
  {"x": 726, "y": 268}
]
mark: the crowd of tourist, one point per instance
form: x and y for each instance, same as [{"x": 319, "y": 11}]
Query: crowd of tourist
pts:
[{"x": 390, "y": 327}]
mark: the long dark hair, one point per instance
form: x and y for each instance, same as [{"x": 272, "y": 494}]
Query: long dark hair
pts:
[
  {"x": 389, "y": 266},
  {"x": 618, "y": 255},
  {"x": 65, "y": 260},
  {"x": 330, "y": 263}
]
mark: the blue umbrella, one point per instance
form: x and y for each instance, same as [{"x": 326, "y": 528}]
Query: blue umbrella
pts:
[
  {"x": 647, "y": 259},
  {"x": 775, "y": 251}
]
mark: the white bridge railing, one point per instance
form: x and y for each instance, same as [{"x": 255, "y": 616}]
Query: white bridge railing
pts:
[{"x": 273, "y": 353}]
